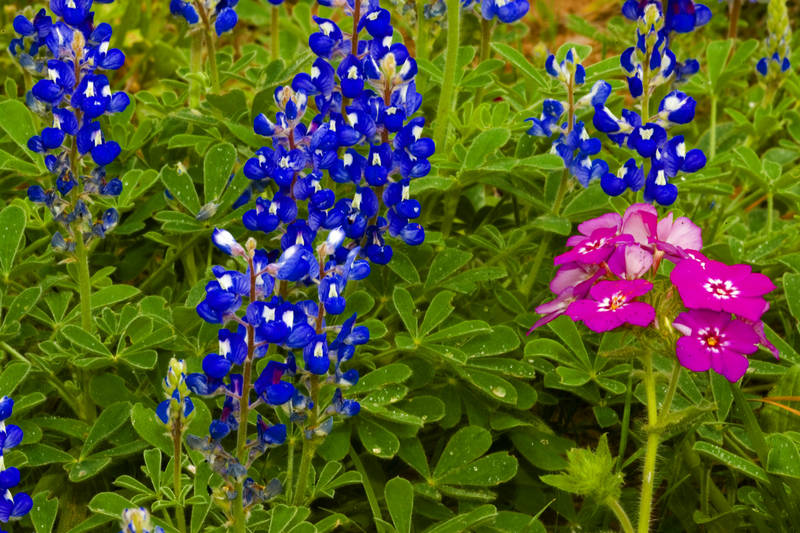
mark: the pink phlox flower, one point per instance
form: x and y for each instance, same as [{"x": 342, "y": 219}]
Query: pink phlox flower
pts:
[
  {"x": 554, "y": 308},
  {"x": 613, "y": 304},
  {"x": 640, "y": 221},
  {"x": 610, "y": 221},
  {"x": 758, "y": 327},
  {"x": 579, "y": 276},
  {"x": 715, "y": 340},
  {"x": 677, "y": 237},
  {"x": 719, "y": 287},
  {"x": 630, "y": 261},
  {"x": 593, "y": 249}
]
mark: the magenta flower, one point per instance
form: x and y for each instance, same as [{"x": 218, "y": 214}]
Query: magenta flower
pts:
[
  {"x": 640, "y": 222},
  {"x": 715, "y": 340},
  {"x": 610, "y": 221},
  {"x": 577, "y": 276},
  {"x": 593, "y": 249},
  {"x": 613, "y": 304},
  {"x": 554, "y": 308},
  {"x": 719, "y": 287},
  {"x": 630, "y": 261}
]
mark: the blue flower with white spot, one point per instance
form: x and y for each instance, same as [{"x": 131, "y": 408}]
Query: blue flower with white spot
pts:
[
  {"x": 72, "y": 94},
  {"x": 220, "y": 13},
  {"x": 12, "y": 506}
]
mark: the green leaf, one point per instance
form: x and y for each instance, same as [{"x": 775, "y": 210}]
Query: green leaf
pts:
[
  {"x": 465, "y": 521},
  {"x": 404, "y": 267},
  {"x": 88, "y": 468},
  {"x": 17, "y": 122},
  {"x": 110, "y": 419},
  {"x": 487, "y": 142},
  {"x": 217, "y": 168},
  {"x": 43, "y": 454},
  {"x": 515, "y": 57},
  {"x": 502, "y": 339},
  {"x": 150, "y": 428},
  {"x": 13, "y": 375},
  {"x": 21, "y": 305},
  {"x": 791, "y": 286},
  {"x": 385, "y": 375},
  {"x": 466, "y": 445},
  {"x": 400, "y": 500},
  {"x": 152, "y": 463},
  {"x": 406, "y": 308},
  {"x": 181, "y": 187},
  {"x": 784, "y": 456},
  {"x": 43, "y": 512},
  {"x": 110, "y": 504},
  {"x": 113, "y": 294},
  {"x": 716, "y": 55},
  {"x": 731, "y": 460},
  {"x": 12, "y": 227},
  {"x": 492, "y": 385},
  {"x": 487, "y": 471},
  {"x": 438, "y": 310},
  {"x": 376, "y": 439},
  {"x": 445, "y": 263},
  {"x": 568, "y": 333},
  {"x": 84, "y": 340}
]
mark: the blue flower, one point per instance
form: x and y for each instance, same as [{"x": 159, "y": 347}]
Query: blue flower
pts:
[{"x": 11, "y": 506}]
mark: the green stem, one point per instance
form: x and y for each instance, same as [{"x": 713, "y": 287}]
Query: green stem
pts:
[
  {"x": 626, "y": 422},
  {"x": 167, "y": 263},
  {"x": 712, "y": 132},
  {"x": 621, "y": 515},
  {"x": 196, "y": 67},
  {"x": 370, "y": 492},
  {"x": 274, "y": 35},
  {"x": 651, "y": 448},
  {"x": 290, "y": 465},
  {"x": 673, "y": 386},
  {"x": 84, "y": 280},
  {"x": 544, "y": 245},
  {"x": 421, "y": 41},
  {"x": 486, "y": 40},
  {"x": 770, "y": 210},
  {"x": 211, "y": 47},
  {"x": 307, "y": 455},
  {"x": 448, "y": 94},
  {"x": 177, "y": 462},
  {"x": 733, "y": 24},
  {"x": 239, "y": 521}
]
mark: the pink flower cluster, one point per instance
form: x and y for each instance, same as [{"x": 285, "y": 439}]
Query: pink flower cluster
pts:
[{"x": 602, "y": 275}]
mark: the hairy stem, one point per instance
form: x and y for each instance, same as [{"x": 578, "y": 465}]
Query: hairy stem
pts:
[
  {"x": 196, "y": 67},
  {"x": 621, "y": 515},
  {"x": 651, "y": 448},
  {"x": 486, "y": 40},
  {"x": 176, "y": 482},
  {"x": 421, "y": 42},
  {"x": 368, "y": 490},
  {"x": 733, "y": 23},
  {"x": 447, "y": 96},
  {"x": 274, "y": 33}
]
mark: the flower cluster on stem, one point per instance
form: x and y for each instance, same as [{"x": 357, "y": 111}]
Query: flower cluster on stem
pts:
[
  {"x": 70, "y": 55},
  {"x": 12, "y": 506}
]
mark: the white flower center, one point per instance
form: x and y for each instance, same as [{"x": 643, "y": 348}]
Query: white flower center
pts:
[
  {"x": 721, "y": 290},
  {"x": 646, "y": 133}
]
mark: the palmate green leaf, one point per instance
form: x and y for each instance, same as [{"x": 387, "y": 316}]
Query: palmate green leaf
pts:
[
  {"x": 486, "y": 143},
  {"x": 217, "y": 167},
  {"x": 490, "y": 384},
  {"x": 568, "y": 333},
  {"x": 461, "y": 329},
  {"x": 403, "y": 267},
  {"x": 463, "y": 522},
  {"x": 44, "y": 454},
  {"x": 21, "y": 306},
  {"x": 13, "y": 375},
  {"x": 150, "y": 428},
  {"x": 784, "y": 455},
  {"x": 181, "y": 186},
  {"x": 87, "y": 468},
  {"x": 18, "y": 124},
  {"x": 376, "y": 439},
  {"x": 487, "y": 471},
  {"x": 520, "y": 63},
  {"x": 716, "y": 56},
  {"x": 438, "y": 310},
  {"x": 84, "y": 340},
  {"x": 110, "y": 419},
  {"x": 12, "y": 227},
  {"x": 502, "y": 339},
  {"x": 113, "y": 294},
  {"x": 406, "y": 308},
  {"x": 378, "y": 378},
  {"x": 731, "y": 460},
  {"x": 399, "y": 496},
  {"x": 466, "y": 445},
  {"x": 446, "y": 263},
  {"x": 43, "y": 512},
  {"x": 110, "y": 504}
]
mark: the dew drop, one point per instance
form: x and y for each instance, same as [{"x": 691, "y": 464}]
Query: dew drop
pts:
[{"x": 500, "y": 392}]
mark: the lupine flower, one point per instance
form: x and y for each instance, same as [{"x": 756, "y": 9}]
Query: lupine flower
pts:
[
  {"x": 778, "y": 43},
  {"x": 221, "y": 13},
  {"x": 178, "y": 407},
  {"x": 138, "y": 521},
  {"x": 12, "y": 506},
  {"x": 647, "y": 136},
  {"x": 73, "y": 94},
  {"x": 574, "y": 144}
]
